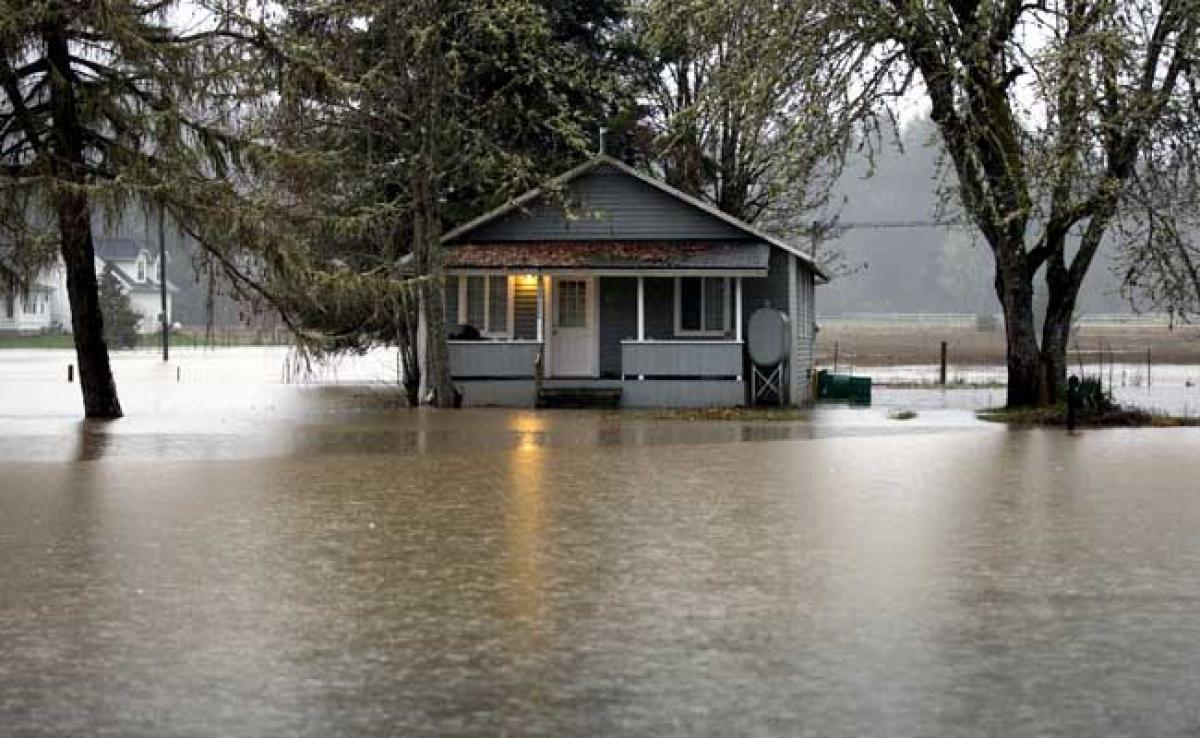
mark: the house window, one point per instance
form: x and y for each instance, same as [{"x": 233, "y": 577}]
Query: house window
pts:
[
  {"x": 572, "y": 303},
  {"x": 497, "y": 301},
  {"x": 701, "y": 306},
  {"x": 476, "y": 300},
  {"x": 141, "y": 269},
  {"x": 29, "y": 303},
  {"x": 485, "y": 302}
]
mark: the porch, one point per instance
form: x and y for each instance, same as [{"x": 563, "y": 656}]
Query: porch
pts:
[{"x": 661, "y": 340}]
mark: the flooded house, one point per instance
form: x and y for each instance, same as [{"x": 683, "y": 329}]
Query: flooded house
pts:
[{"x": 608, "y": 286}]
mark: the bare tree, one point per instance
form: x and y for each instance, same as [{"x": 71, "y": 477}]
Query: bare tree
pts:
[
  {"x": 738, "y": 98},
  {"x": 1058, "y": 116}
]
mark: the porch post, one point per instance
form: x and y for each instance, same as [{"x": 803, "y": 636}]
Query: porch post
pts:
[
  {"x": 541, "y": 309},
  {"x": 641, "y": 334},
  {"x": 738, "y": 313}
]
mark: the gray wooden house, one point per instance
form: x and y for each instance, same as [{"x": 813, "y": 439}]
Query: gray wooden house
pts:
[{"x": 615, "y": 281}]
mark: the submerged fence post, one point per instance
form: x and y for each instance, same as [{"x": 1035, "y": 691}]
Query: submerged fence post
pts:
[
  {"x": 1147, "y": 366},
  {"x": 942, "y": 372},
  {"x": 835, "y": 357}
]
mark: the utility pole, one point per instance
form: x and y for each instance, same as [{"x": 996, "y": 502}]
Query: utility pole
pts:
[{"x": 162, "y": 284}]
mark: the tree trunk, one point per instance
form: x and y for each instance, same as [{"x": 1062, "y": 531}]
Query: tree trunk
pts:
[
  {"x": 427, "y": 243},
  {"x": 87, "y": 322},
  {"x": 1056, "y": 333},
  {"x": 1015, "y": 289},
  {"x": 427, "y": 225},
  {"x": 75, "y": 230},
  {"x": 437, "y": 356},
  {"x": 406, "y": 348}
]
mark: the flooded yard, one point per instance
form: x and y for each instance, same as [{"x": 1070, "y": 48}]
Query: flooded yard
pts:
[{"x": 241, "y": 556}]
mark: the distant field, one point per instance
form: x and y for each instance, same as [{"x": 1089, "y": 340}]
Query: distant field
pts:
[{"x": 879, "y": 343}]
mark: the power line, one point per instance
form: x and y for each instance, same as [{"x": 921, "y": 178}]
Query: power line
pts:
[
  {"x": 882, "y": 224},
  {"x": 839, "y": 227}
]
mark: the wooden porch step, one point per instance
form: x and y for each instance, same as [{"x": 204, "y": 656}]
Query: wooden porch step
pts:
[{"x": 579, "y": 397}]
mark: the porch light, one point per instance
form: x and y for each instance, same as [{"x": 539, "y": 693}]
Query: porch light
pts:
[{"x": 528, "y": 279}]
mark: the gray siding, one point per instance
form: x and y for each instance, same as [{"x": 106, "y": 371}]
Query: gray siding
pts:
[
  {"x": 770, "y": 291},
  {"x": 608, "y": 204},
  {"x": 805, "y": 334},
  {"x": 492, "y": 358},
  {"x": 618, "y": 320},
  {"x": 684, "y": 359},
  {"x": 524, "y": 309}
]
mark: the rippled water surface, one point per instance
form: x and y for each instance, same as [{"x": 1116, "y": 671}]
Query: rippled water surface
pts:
[{"x": 240, "y": 557}]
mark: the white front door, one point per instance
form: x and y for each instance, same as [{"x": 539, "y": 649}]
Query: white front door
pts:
[{"x": 572, "y": 328}]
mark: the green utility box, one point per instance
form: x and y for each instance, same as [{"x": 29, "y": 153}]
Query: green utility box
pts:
[{"x": 856, "y": 390}]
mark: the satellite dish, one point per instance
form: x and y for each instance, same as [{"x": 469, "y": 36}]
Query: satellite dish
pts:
[{"x": 768, "y": 337}]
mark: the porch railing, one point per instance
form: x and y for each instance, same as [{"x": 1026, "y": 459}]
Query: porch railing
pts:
[
  {"x": 681, "y": 359},
  {"x": 493, "y": 359}
]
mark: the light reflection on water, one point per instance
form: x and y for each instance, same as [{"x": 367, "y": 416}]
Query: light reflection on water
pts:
[{"x": 323, "y": 566}]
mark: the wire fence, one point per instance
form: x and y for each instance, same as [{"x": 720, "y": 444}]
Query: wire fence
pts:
[{"x": 961, "y": 364}]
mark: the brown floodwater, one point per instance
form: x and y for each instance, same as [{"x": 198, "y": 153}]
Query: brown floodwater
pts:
[{"x": 245, "y": 558}]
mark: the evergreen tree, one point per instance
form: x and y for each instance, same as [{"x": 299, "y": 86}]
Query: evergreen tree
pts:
[
  {"x": 120, "y": 320},
  {"x": 103, "y": 105},
  {"x": 425, "y": 113}
]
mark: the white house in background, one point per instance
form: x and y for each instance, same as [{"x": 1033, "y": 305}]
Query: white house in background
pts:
[
  {"x": 41, "y": 305},
  {"x": 137, "y": 268}
]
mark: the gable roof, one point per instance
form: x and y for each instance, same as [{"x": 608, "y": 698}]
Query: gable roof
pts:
[
  {"x": 605, "y": 160},
  {"x": 150, "y": 285}
]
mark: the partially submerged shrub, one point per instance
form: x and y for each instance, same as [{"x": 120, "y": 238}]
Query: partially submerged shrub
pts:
[{"x": 1092, "y": 397}]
